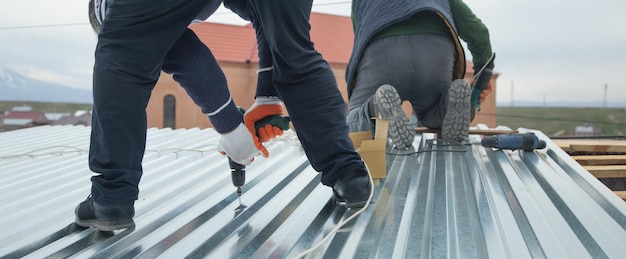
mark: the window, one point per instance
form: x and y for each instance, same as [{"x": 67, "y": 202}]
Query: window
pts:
[{"x": 169, "y": 111}]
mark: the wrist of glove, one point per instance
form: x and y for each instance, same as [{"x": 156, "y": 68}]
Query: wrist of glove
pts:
[
  {"x": 241, "y": 146},
  {"x": 264, "y": 119},
  {"x": 265, "y": 100}
]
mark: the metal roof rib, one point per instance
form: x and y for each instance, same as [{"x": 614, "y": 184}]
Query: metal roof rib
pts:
[{"x": 439, "y": 199}]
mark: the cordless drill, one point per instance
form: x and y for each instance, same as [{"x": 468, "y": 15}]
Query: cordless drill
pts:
[
  {"x": 526, "y": 142},
  {"x": 481, "y": 81},
  {"x": 238, "y": 171}
]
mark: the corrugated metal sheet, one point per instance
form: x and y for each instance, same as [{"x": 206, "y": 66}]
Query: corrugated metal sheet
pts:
[{"x": 444, "y": 201}]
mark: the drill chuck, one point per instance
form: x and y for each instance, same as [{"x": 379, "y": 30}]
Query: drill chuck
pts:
[
  {"x": 238, "y": 174},
  {"x": 526, "y": 142}
]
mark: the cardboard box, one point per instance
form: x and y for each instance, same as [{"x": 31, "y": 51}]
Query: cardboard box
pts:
[{"x": 373, "y": 150}]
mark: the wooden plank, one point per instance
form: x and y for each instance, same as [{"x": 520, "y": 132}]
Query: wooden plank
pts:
[
  {"x": 612, "y": 148},
  {"x": 621, "y": 194},
  {"x": 601, "y": 160},
  {"x": 607, "y": 171},
  {"x": 562, "y": 143},
  {"x": 591, "y": 145},
  {"x": 471, "y": 131}
]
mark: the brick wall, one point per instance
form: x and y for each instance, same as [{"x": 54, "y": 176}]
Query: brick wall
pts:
[{"x": 242, "y": 84}]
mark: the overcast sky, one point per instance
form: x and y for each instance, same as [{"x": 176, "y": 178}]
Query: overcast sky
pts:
[{"x": 546, "y": 50}]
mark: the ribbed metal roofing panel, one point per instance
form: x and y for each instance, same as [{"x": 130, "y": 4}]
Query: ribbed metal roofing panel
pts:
[{"x": 446, "y": 200}]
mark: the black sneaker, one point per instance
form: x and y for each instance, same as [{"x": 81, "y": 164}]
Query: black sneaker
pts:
[
  {"x": 388, "y": 105},
  {"x": 456, "y": 122},
  {"x": 104, "y": 218},
  {"x": 353, "y": 188}
]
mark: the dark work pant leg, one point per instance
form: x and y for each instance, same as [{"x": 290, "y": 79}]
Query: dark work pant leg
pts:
[
  {"x": 265, "y": 79},
  {"x": 307, "y": 86},
  {"x": 265, "y": 84},
  {"x": 132, "y": 45},
  {"x": 194, "y": 67}
]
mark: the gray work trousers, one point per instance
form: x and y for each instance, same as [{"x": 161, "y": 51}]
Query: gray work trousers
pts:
[{"x": 419, "y": 67}]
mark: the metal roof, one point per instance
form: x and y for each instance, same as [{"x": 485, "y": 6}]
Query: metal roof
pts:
[
  {"x": 20, "y": 122},
  {"x": 444, "y": 201}
]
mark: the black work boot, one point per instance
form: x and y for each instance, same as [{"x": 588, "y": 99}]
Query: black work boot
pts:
[
  {"x": 457, "y": 120},
  {"x": 353, "y": 188},
  {"x": 388, "y": 105},
  {"x": 104, "y": 218}
]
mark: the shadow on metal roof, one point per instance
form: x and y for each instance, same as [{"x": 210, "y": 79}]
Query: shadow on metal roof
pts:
[{"x": 456, "y": 201}]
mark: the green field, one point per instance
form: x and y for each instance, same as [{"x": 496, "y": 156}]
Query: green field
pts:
[
  {"x": 552, "y": 120},
  {"x": 549, "y": 120},
  {"x": 46, "y": 107}
]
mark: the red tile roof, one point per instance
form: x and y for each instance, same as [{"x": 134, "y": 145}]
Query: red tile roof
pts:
[
  {"x": 23, "y": 115},
  {"x": 331, "y": 34},
  {"x": 37, "y": 117},
  {"x": 228, "y": 42}
]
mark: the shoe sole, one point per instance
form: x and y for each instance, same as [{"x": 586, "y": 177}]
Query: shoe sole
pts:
[
  {"x": 355, "y": 205},
  {"x": 349, "y": 205},
  {"x": 104, "y": 225},
  {"x": 389, "y": 107},
  {"x": 457, "y": 119}
]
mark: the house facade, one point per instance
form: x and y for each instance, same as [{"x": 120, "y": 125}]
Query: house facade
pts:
[
  {"x": 236, "y": 51},
  {"x": 21, "y": 117}
]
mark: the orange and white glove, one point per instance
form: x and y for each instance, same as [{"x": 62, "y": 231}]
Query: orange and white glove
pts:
[
  {"x": 485, "y": 92},
  {"x": 263, "y": 108},
  {"x": 241, "y": 146}
]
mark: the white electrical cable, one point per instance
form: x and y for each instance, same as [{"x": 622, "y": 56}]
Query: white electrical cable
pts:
[{"x": 341, "y": 224}]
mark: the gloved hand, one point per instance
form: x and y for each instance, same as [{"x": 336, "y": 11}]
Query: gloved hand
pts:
[
  {"x": 240, "y": 146},
  {"x": 482, "y": 80},
  {"x": 267, "y": 109},
  {"x": 271, "y": 127},
  {"x": 481, "y": 87},
  {"x": 485, "y": 92}
]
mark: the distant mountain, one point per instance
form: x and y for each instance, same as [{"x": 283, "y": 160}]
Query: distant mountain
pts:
[{"x": 17, "y": 87}]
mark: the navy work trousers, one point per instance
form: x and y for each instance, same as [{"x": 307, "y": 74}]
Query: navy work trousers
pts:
[
  {"x": 305, "y": 83},
  {"x": 132, "y": 45}
]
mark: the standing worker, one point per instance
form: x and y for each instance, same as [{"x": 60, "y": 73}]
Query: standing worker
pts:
[
  {"x": 308, "y": 88},
  {"x": 123, "y": 80},
  {"x": 126, "y": 71},
  {"x": 409, "y": 50}
]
